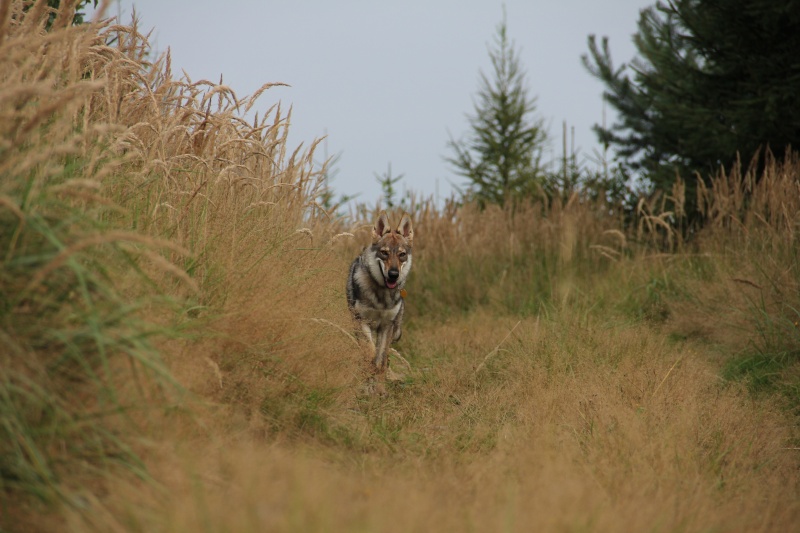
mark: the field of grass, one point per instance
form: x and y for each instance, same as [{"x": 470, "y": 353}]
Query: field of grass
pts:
[{"x": 177, "y": 350}]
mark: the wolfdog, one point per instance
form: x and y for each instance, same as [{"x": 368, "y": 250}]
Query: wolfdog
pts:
[{"x": 375, "y": 288}]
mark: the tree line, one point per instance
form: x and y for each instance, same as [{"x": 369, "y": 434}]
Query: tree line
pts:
[{"x": 713, "y": 81}]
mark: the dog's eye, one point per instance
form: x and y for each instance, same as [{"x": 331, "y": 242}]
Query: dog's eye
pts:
[
  {"x": 383, "y": 254},
  {"x": 402, "y": 256}
]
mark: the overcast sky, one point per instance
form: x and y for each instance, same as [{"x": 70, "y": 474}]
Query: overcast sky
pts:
[{"x": 387, "y": 81}]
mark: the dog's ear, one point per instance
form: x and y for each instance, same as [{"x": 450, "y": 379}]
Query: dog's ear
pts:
[
  {"x": 405, "y": 229},
  {"x": 381, "y": 227}
]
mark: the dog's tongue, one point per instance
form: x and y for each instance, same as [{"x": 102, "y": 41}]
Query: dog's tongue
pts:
[{"x": 391, "y": 284}]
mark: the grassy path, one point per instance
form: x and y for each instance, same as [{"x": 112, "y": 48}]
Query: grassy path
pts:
[{"x": 564, "y": 426}]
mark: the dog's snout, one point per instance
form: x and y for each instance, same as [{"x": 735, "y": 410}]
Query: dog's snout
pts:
[{"x": 393, "y": 274}]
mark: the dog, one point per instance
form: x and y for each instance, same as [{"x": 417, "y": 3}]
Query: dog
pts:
[{"x": 375, "y": 288}]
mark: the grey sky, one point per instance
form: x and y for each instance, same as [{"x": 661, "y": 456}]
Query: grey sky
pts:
[{"x": 388, "y": 80}]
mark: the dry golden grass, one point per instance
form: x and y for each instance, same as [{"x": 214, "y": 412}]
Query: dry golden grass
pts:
[
  {"x": 740, "y": 277},
  {"x": 541, "y": 391},
  {"x": 520, "y": 260},
  {"x": 128, "y": 209},
  {"x": 568, "y": 426}
]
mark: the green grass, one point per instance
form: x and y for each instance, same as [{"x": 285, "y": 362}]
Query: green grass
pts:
[{"x": 64, "y": 324}]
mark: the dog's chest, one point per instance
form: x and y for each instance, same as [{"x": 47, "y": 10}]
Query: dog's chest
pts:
[{"x": 375, "y": 316}]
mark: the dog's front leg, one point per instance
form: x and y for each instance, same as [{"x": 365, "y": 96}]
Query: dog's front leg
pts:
[
  {"x": 382, "y": 341},
  {"x": 367, "y": 330}
]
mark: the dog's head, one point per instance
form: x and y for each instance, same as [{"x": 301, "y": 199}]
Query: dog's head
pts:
[{"x": 392, "y": 251}]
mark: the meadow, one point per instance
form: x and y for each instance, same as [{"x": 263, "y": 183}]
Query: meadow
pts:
[{"x": 178, "y": 355}]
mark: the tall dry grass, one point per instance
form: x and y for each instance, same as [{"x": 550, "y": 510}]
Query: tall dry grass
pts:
[
  {"x": 741, "y": 292},
  {"x": 132, "y": 206},
  {"x": 526, "y": 258},
  {"x": 68, "y": 326},
  {"x": 203, "y": 175}
]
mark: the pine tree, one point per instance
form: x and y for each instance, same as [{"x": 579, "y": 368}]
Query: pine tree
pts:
[
  {"x": 388, "y": 190},
  {"x": 501, "y": 155},
  {"x": 713, "y": 78},
  {"x": 54, "y": 6}
]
